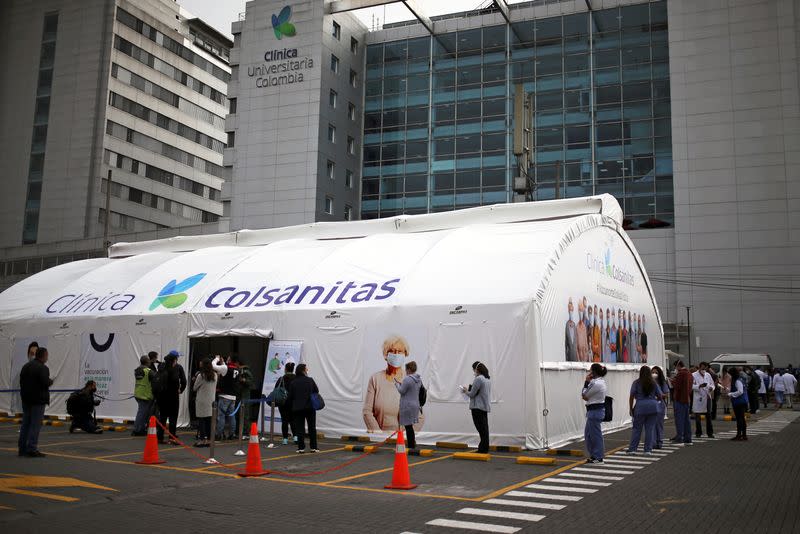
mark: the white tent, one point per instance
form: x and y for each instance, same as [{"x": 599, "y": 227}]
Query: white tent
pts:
[{"x": 489, "y": 284}]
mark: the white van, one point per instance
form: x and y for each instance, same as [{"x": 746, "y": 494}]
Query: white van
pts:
[{"x": 740, "y": 360}]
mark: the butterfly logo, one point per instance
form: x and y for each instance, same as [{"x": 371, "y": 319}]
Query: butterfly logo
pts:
[
  {"x": 172, "y": 295},
  {"x": 281, "y": 25}
]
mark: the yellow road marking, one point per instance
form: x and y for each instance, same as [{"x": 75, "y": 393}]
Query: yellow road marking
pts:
[
  {"x": 267, "y": 459},
  {"x": 2, "y": 507},
  {"x": 14, "y": 483},
  {"x": 353, "y": 477}
]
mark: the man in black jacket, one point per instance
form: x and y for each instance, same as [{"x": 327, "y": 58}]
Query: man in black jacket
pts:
[
  {"x": 34, "y": 384},
  {"x": 299, "y": 400},
  {"x": 169, "y": 399},
  {"x": 80, "y": 406}
]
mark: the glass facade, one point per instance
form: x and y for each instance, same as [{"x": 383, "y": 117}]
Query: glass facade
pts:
[{"x": 438, "y": 117}]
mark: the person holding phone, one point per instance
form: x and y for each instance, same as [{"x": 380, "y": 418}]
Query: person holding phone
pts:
[
  {"x": 594, "y": 394},
  {"x": 479, "y": 393},
  {"x": 702, "y": 393}
]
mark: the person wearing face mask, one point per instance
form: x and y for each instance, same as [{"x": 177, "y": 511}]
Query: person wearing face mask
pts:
[
  {"x": 479, "y": 393},
  {"x": 596, "y": 337},
  {"x": 613, "y": 339},
  {"x": 582, "y": 343},
  {"x": 81, "y": 405},
  {"x": 570, "y": 335},
  {"x": 702, "y": 392},
  {"x": 382, "y": 401},
  {"x": 623, "y": 339},
  {"x": 633, "y": 338}
]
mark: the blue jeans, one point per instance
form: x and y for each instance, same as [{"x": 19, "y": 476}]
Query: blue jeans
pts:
[
  {"x": 225, "y": 407},
  {"x": 643, "y": 419},
  {"x": 593, "y": 433},
  {"x": 143, "y": 412},
  {"x": 32, "y": 417},
  {"x": 683, "y": 426}
]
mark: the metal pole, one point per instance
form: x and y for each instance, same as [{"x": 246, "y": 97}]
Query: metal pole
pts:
[
  {"x": 689, "y": 334},
  {"x": 213, "y": 436},
  {"x": 271, "y": 425},
  {"x": 239, "y": 451},
  {"x": 262, "y": 414},
  {"x": 108, "y": 212}
]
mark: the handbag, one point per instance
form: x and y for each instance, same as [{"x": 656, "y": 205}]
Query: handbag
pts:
[
  {"x": 317, "y": 402},
  {"x": 609, "y": 406},
  {"x": 279, "y": 394}
]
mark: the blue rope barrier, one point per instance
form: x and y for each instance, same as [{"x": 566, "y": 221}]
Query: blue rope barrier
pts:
[{"x": 51, "y": 391}]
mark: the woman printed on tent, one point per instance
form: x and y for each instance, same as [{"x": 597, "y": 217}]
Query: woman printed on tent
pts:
[{"x": 382, "y": 402}]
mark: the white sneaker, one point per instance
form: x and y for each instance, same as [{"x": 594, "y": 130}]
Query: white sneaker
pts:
[
  {"x": 630, "y": 453},
  {"x": 314, "y": 450},
  {"x": 301, "y": 451}
]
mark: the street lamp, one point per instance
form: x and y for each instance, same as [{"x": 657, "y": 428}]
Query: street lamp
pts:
[{"x": 689, "y": 334}]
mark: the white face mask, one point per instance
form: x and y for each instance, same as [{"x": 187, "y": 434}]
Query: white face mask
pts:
[
  {"x": 655, "y": 377},
  {"x": 572, "y": 316},
  {"x": 395, "y": 359}
]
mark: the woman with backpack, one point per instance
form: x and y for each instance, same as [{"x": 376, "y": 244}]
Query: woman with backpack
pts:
[
  {"x": 479, "y": 393},
  {"x": 205, "y": 387},
  {"x": 285, "y": 410},
  {"x": 739, "y": 401},
  {"x": 409, "y": 402},
  {"x": 646, "y": 394}
]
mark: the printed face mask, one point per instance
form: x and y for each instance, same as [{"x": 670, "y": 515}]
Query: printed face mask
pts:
[{"x": 395, "y": 359}]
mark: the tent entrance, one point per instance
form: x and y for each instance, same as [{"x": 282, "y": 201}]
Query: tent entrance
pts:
[{"x": 252, "y": 352}]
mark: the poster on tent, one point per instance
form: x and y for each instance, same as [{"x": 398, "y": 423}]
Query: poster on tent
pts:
[
  {"x": 99, "y": 353},
  {"x": 19, "y": 359},
  {"x": 280, "y": 353},
  {"x": 387, "y": 348},
  {"x": 597, "y": 307}
]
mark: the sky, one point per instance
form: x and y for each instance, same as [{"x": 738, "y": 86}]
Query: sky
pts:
[{"x": 221, "y": 13}]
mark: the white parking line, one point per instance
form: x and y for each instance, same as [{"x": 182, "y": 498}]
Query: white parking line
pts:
[
  {"x": 469, "y": 525},
  {"x": 628, "y": 461},
  {"x": 603, "y": 470},
  {"x": 594, "y": 477},
  {"x": 500, "y": 513},
  {"x": 526, "y": 504},
  {"x": 622, "y": 464},
  {"x": 552, "y": 497},
  {"x": 560, "y": 488},
  {"x": 579, "y": 482}
]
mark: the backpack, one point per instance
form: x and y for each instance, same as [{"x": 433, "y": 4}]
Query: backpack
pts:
[
  {"x": 609, "y": 406},
  {"x": 755, "y": 382},
  {"x": 72, "y": 403},
  {"x": 244, "y": 381},
  {"x": 423, "y": 395},
  {"x": 160, "y": 381}
]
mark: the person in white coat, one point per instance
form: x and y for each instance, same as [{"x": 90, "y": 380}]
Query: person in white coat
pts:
[
  {"x": 702, "y": 393},
  {"x": 762, "y": 389},
  {"x": 779, "y": 388},
  {"x": 790, "y": 381}
]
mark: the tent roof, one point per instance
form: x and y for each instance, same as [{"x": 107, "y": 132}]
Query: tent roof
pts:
[{"x": 490, "y": 255}]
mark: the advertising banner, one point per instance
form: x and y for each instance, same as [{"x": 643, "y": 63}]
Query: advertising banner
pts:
[
  {"x": 99, "y": 362},
  {"x": 280, "y": 353}
]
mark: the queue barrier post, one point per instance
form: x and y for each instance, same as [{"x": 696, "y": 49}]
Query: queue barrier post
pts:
[{"x": 213, "y": 436}]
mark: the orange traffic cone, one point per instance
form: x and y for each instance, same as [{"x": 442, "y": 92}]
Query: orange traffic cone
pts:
[
  {"x": 401, "y": 479},
  {"x": 253, "y": 467},
  {"x": 150, "y": 455}
]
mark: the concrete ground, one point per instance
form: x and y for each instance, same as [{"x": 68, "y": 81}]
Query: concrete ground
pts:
[{"x": 89, "y": 481}]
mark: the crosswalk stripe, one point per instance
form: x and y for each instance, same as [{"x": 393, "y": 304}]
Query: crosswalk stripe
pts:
[
  {"x": 531, "y": 495},
  {"x": 469, "y": 525},
  {"x": 551, "y": 487},
  {"x": 603, "y": 470},
  {"x": 637, "y": 457},
  {"x": 560, "y": 480},
  {"x": 501, "y": 513},
  {"x": 595, "y": 477},
  {"x": 622, "y": 464},
  {"x": 526, "y": 504},
  {"x": 627, "y": 460}
]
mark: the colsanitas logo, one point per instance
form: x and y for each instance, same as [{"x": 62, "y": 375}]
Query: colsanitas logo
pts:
[
  {"x": 351, "y": 292},
  {"x": 281, "y": 25},
  {"x": 172, "y": 295},
  {"x": 605, "y": 266}
]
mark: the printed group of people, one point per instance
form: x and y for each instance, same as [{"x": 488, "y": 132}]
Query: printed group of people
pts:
[{"x": 610, "y": 336}]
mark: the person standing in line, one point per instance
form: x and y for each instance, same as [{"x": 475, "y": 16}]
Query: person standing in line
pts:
[
  {"x": 778, "y": 388},
  {"x": 715, "y": 393},
  {"x": 594, "y": 394},
  {"x": 646, "y": 395},
  {"x": 244, "y": 381},
  {"x": 287, "y": 419},
  {"x": 299, "y": 400},
  {"x": 725, "y": 390},
  {"x": 229, "y": 373},
  {"x": 34, "y": 385},
  {"x": 738, "y": 395},
  {"x": 763, "y": 389},
  {"x": 169, "y": 398},
  {"x": 409, "y": 402},
  {"x": 479, "y": 393},
  {"x": 205, "y": 386},
  {"x": 790, "y": 382},
  {"x": 663, "y": 386},
  {"x": 702, "y": 391},
  {"x": 681, "y": 397},
  {"x": 143, "y": 393},
  {"x": 753, "y": 382}
]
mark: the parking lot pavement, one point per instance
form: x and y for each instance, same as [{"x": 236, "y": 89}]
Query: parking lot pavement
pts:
[{"x": 88, "y": 478}]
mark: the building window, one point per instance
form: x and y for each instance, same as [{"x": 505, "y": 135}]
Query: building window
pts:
[
  {"x": 331, "y": 133},
  {"x": 231, "y": 139},
  {"x": 331, "y": 170},
  {"x": 353, "y": 78},
  {"x": 351, "y": 111},
  {"x": 348, "y": 178},
  {"x": 348, "y": 213},
  {"x": 337, "y": 31},
  {"x": 334, "y": 64},
  {"x": 329, "y": 205},
  {"x": 332, "y": 98},
  {"x": 351, "y": 145},
  {"x": 232, "y": 106},
  {"x": 354, "y": 45}
]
